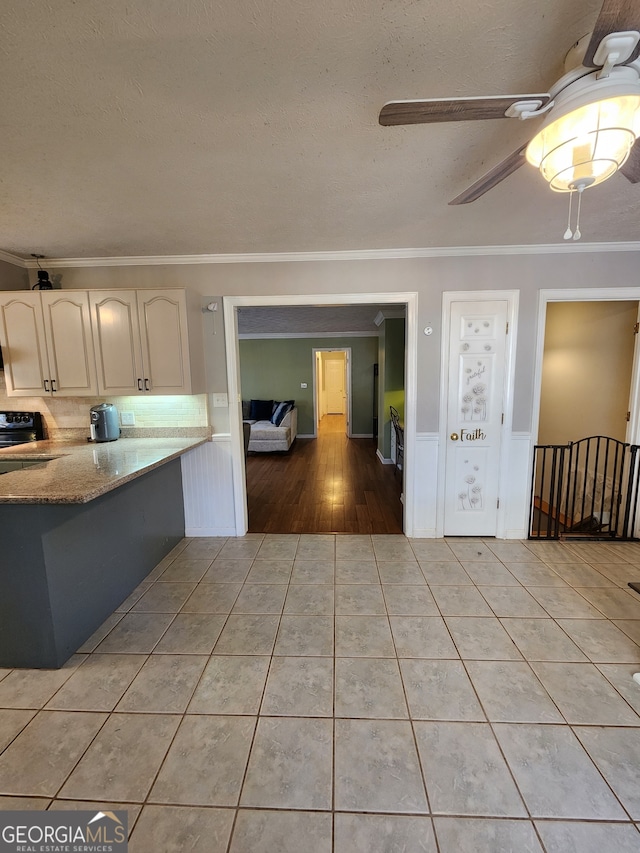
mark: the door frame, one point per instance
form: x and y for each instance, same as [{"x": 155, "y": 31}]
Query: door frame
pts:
[
  {"x": 347, "y": 353},
  {"x": 591, "y": 294},
  {"x": 585, "y": 294},
  {"x": 230, "y": 304},
  {"x": 512, "y": 298}
]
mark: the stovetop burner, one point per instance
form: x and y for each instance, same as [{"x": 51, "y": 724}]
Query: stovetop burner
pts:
[{"x": 20, "y": 427}]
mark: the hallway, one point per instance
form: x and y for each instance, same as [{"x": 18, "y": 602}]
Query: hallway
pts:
[{"x": 331, "y": 484}]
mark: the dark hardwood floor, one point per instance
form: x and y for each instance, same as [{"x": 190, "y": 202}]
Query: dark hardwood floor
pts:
[{"x": 331, "y": 484}]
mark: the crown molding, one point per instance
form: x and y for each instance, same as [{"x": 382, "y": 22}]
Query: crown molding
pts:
[
  {"x": 350, "y": 255},
  {"x": 14, "y": 259}
]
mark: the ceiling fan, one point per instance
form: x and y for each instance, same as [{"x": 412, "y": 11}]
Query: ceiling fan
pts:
[{"x": 591, "y": 114}]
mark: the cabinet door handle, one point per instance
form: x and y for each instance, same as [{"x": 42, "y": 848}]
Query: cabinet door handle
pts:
[
  {"x": 139, "y": 384},
  {"x": 146, "y": 385},
  {"x": 46, "y": 385},
  {"x": 53, "y": 386}
]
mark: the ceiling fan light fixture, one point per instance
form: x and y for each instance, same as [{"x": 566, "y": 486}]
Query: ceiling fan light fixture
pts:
[{"x": 589, "y": 135}]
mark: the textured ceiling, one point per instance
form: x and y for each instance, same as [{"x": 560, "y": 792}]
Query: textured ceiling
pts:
[
  {"x": 297, "y": 319},
  {"x": 155, "y": 127}
]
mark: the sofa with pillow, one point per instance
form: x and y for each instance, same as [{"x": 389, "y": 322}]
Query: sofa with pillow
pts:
[{"x": 274, "y": 424}]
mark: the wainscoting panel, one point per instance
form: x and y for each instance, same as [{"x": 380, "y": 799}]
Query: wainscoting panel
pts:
[
  {"x": 207, "y": 486},
  {"x": 516, "y": 486},
  {"x": 426, "y": 485}
]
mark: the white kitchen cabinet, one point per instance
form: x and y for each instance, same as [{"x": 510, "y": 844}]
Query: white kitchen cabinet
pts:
[
  {"x": 142, "y": 341},
  {"x": 47, "y": 343}
]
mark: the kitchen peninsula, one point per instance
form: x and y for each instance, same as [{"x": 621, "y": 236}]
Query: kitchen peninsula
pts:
[{"x": 77, "y": 534}]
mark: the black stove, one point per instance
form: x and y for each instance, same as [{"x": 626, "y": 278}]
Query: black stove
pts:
[{"x": 19, "y": 428}]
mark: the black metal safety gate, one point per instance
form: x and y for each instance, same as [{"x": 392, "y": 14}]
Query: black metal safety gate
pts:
[{"x": 584, "y": 489}]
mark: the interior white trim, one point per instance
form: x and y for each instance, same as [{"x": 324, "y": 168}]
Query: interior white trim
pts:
[
  {"x": 518, "y": 496},
  {"x": 633, "y": 427},
  {"x": 426, "y": 497},
  {"x": 587, "y": 294},
  {"x": 384, "y": 459},
  {"x": 350, "y": 255},
  {"x": 348, "y": 363},
  {"x": 14, "y": 259},
  {"x": 232, "y": 303}
]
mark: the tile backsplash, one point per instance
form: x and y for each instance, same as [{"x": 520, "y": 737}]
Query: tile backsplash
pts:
[{"x": 64, "y": 413}]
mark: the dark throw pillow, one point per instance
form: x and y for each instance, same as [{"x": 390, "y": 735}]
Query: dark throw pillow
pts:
[
  {"x": 281, "y": 411},
  {"x": 260, "y": 410}
]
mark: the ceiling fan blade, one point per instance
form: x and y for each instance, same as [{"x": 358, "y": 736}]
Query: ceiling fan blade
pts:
[
  {"x": 631, "y": 169},
  {"x": 493, "y": 177},
  {"x": 452, "y": 109},
  {"x": 616, "y": 16}
]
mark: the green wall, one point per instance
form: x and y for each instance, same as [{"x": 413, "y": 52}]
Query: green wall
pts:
[
  {"x": 391, "y": 359},
  {"x": 273, "y": 368}
]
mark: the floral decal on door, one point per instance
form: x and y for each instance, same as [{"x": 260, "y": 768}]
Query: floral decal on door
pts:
[
  {"x": 475, "y": 389},
  {"x": 470, "y": 495},
  {"x": 478, "y": 327}
]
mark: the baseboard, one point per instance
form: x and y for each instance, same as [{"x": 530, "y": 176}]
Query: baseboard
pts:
[
  {"x": 424, "y": 533},
  {"x": 306, "y": 435},
  {"x": 197, "y": 532},
  {"x": 361, "y": 435},
  {"x": 515, "y": 534},
  {"x": 383, "y": 460}
]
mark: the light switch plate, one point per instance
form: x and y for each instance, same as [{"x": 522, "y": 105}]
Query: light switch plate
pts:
[
  {"x": 220, "y": 401},
  {"x": 127, "y": 419},
  {"x": 303, "y": 384}
]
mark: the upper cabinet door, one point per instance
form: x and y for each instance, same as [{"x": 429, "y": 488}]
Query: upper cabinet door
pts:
[
  {"x": 165, "y": 342},
  {"x": 116, "y": 335},
  {"x": 23, "y": 342},
  {"x": 67, "y": 326}
]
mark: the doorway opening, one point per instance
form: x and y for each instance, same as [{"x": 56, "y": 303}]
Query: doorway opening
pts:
[
  {"x": 584, "y": 481},
  {"x": 332, "y": 388},
  {"x": 354, "y": 415}
]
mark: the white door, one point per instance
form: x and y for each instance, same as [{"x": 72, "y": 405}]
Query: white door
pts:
[
  {"x": 334, "y": 384},
  {"x": 477, "y": 353}
]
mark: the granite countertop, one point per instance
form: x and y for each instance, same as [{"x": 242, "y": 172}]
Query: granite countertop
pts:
[{"x": 84, "y": 470}]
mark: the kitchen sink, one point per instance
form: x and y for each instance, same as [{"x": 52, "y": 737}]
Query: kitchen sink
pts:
[{"x": 16, "y": 463}]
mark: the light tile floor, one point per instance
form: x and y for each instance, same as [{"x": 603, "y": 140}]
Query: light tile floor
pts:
[{"x": 355, "y": 694}]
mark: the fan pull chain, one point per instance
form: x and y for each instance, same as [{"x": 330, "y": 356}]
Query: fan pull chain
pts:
[
  {"x": 576, "y": 234},
  {"x": 568, "y": 234}
]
